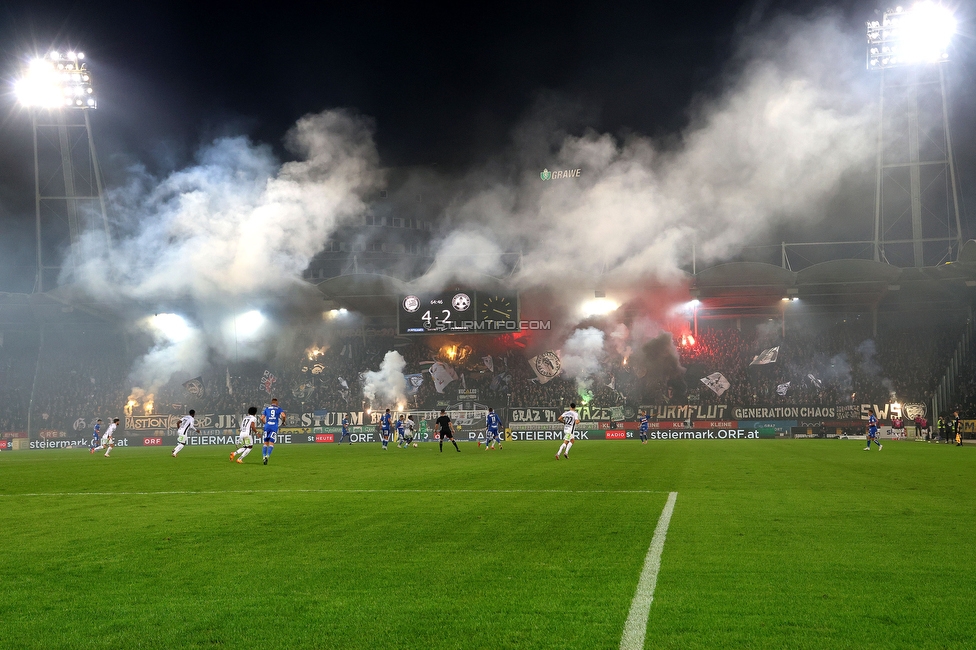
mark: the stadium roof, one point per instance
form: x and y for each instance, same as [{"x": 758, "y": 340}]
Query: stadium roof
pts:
[
  {"x": 753, "y": 288},
  {"x": 370, "y": 294},
  {"x": 50, "y": 308}
]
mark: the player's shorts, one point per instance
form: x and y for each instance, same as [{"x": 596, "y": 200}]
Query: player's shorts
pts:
[
  {"x": 182, "y": 438},
  {"x": 491, "y": 434},
  {"x": 872, "y": 434},
  {"x": 245, "y": 441},
  {"x": 270, "y": 436},
  {"x": 447, "y": 434},
  {"x": 106, "y": 439},
  {"x": 568, "y": 436}
]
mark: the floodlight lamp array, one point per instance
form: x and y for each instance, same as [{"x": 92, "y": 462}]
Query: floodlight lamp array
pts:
[
  {"x": 921, "y": 34},
  {"x": 59, "y": 80}
]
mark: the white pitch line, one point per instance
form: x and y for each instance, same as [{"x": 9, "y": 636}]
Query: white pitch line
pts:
[
  {"x": 640, "y": 608},
  {"x": 322, "y": 491}
]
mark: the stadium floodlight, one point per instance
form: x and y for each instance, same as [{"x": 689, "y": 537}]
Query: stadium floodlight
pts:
[
  {"x": 171, "y": 326},
  {"x": 921, "y": 34},
  {"x": 56, "y": 81},
  {"x": 598, "y": 307},
  {"x": 248, "y": 324}
]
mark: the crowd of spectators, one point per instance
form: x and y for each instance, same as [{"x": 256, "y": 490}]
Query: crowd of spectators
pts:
[{"x": 83, "y": 375}]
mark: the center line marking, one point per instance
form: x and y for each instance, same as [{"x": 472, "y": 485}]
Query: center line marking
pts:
[{"x": 635, "y": 629}]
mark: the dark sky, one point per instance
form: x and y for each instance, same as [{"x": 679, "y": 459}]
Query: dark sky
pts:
[{"x": 445, "y": 84}]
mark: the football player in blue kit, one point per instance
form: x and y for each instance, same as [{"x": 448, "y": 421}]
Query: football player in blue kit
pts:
[
  {"x": 872, "y": 430},
  {"x": 386, "y": 420},
  {"x": 345, "y": 430},
  {"x": 491, "y": 429},
  {"x": 643, "y": 420},
  {"x": 273, "y": 417},
  {"x": 96, "y": 433}
]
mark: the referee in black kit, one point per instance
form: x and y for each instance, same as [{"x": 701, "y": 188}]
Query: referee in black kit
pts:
[{"x": 447, "y": 429}]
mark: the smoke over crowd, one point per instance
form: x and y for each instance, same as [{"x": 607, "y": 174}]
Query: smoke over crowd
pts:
[{"x": 232, "y": 233}]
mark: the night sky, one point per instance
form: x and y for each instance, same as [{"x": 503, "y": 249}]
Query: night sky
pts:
[{"x": 445, "y": 85}]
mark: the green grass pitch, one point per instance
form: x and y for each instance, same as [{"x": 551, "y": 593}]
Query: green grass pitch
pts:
[{"x": 773, "y": 544}]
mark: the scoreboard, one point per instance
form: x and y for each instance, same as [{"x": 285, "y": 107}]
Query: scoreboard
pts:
[{"x": 458, "y": 311}]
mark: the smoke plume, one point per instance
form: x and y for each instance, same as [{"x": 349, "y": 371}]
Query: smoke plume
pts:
[
  {"x": 387, "y": 383},
  {"x": 581, "y": 357},
  {"x": 230, "y": 234},
  {"x": 772, "y": 148},
  {"x": 234, "y": 232}
]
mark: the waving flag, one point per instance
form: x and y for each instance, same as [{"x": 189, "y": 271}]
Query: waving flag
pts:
[
  {"x": 766, "y": 356},
  {"x": 267, "y": 381},
  {"x": 716, "y": 382}
]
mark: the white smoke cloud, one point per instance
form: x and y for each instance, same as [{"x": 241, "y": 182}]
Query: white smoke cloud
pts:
[
  {"x": 773, "y": 148},
  {"x": 237, "y": 223},
  {"x": 234, "y": 232},
  {"x": 387, "y": 383},
  {"x": 581, "y": 356},
  {"x": 231, "y": 233}
]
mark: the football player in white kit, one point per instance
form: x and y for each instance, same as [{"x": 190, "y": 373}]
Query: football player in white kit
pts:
[
  {"x": 187, "y": 424},
  {"x": 108, "y": 439},
  {"x": 246, "y": 437},
  {"x": 570, "y": 419}
]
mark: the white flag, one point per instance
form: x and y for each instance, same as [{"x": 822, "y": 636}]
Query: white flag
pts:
[
  {"x": 546, "y": 366},
  {"x": 489, "y": 363},
  {"x": 766, "y": 356},
  {"x": 782, "y": 388},
  {"x": 816, "y": 382},
  {"x": 442, "y": 374},
  {"x": 717, "y": 382}
]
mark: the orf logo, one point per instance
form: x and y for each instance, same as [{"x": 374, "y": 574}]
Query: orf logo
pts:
[
  {"x": 914, "y": 410},
  {"x": 545, "y": 174},
  {"x": 616, "y": 434},
  {"x": 152, "y": 442}
]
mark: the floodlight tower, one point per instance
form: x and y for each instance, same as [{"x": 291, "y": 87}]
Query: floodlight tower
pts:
[
  {"x": 57, "y": 89},
  {"x": 916, "y": 214}
]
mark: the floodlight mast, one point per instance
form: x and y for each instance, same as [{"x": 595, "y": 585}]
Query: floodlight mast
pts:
[
  {"x": 57, "y": 89},
  {"x": 916, "y": 40}
]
